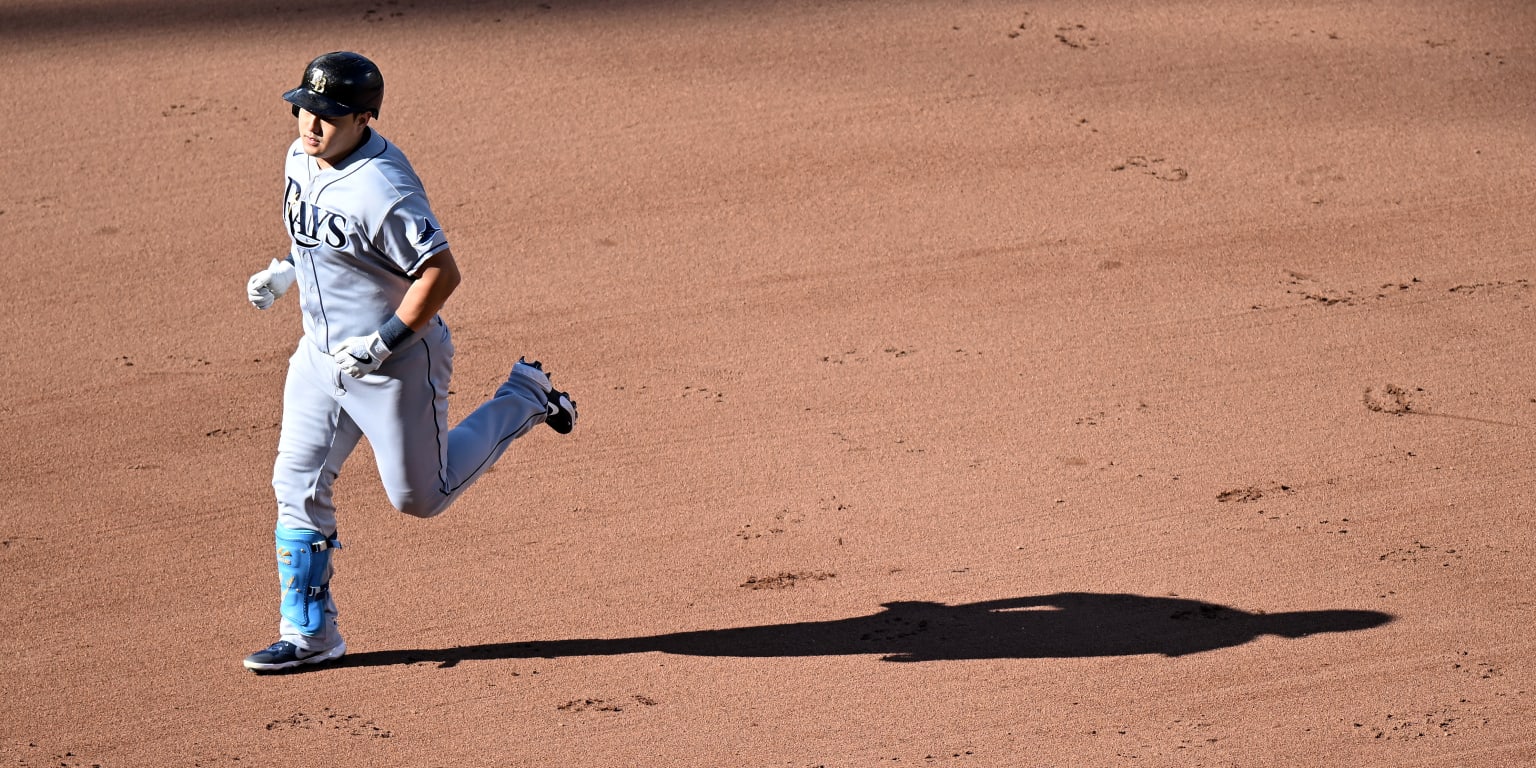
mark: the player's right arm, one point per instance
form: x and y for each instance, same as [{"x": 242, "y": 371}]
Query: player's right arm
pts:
[{"x": 266, "y": 286}]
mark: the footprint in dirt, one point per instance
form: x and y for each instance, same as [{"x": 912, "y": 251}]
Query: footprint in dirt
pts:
[
  {"x": 1077, "y": 36},
  {"x": 1156, "y": 167},
  {"x": 1390, "y": 399},
  {"x": 1315, "y": 181}
]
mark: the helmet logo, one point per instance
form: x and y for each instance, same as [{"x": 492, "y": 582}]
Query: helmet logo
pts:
[{"x": 317, "y": 80}]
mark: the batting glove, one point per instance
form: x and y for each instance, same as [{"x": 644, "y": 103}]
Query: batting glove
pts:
[
  {"x": 361, "y": 355},
  {"x": 266, "y": 286}
]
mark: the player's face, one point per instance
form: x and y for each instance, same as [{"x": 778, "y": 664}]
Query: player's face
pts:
[{"x": 330, "y": 139}]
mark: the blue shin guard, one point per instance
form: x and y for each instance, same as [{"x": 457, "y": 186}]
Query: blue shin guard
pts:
[{"x": 304, "y": 570}]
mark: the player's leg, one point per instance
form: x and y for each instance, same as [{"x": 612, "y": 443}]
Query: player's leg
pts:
[
  {"x": 519, "y": 404},
  {"x": 404, "y": 415},
  {"x": 316, "y": 438},
  {"x": 423, "y": 464}
]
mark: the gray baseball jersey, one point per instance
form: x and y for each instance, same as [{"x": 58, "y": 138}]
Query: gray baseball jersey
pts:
[{"x": 360, "y": 233}]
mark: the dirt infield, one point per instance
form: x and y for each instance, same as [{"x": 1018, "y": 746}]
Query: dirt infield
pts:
[{"x": 962, "y": 383}]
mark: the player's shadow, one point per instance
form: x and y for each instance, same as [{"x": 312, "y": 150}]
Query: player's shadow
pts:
[{"x": 1065, "y": 625}]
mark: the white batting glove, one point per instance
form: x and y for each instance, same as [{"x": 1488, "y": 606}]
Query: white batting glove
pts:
[
  {"x": 266, "y": 286},
  {"x": 361, "y": 355}
]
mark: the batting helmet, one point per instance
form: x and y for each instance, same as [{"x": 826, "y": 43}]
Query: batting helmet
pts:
[{"x": 338, "y": 84}]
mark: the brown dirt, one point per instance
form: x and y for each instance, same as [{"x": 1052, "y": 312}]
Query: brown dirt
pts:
[{"x": 963, "y": 384}]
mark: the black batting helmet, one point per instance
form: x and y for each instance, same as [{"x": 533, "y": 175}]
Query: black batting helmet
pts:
[{"x": 338, "y": 84}]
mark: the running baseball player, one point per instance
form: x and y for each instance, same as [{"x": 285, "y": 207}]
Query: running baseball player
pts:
[{"x": 373, "y": 269}]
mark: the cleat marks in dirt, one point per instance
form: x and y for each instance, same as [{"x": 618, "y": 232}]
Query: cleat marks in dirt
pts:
[
  {"x": 328, "y": 720},
  {"x": 1253, "y": 493},
  {"x": 1156, "y": 167},
  {"x": 785, "y": 579},
  {"x": 606, "y": 705},
  {"x": 1307, "y": 288},
  {"x": 1391, "y": 399}
]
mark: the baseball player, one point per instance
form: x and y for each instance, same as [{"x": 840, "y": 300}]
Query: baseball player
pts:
[{"x": 373, "y": 269}]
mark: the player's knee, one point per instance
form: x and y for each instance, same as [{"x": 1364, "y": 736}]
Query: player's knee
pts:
[{"x": 418, "y": 505}]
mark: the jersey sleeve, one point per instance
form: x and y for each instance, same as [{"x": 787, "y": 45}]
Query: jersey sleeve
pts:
[{"x": 410, "y": 235}]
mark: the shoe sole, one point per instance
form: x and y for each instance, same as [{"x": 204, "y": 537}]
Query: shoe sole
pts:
[
  {"x": 564, "y": 419},
  {"x": 533, "y": 372},
  {"x": 319, "y": 658}
]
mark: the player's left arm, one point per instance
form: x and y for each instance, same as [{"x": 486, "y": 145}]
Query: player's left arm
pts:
[
  {"x": 406, "y": 233},
  {"x": 429, "y": 291},
  {"x": 435, "y": 282}
]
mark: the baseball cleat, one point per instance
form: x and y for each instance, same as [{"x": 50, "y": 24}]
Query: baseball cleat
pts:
[
  {"x": 285, "y": 655},
  {"x": 562, "y": 409},
  {"x": 562, "y": 412}
]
